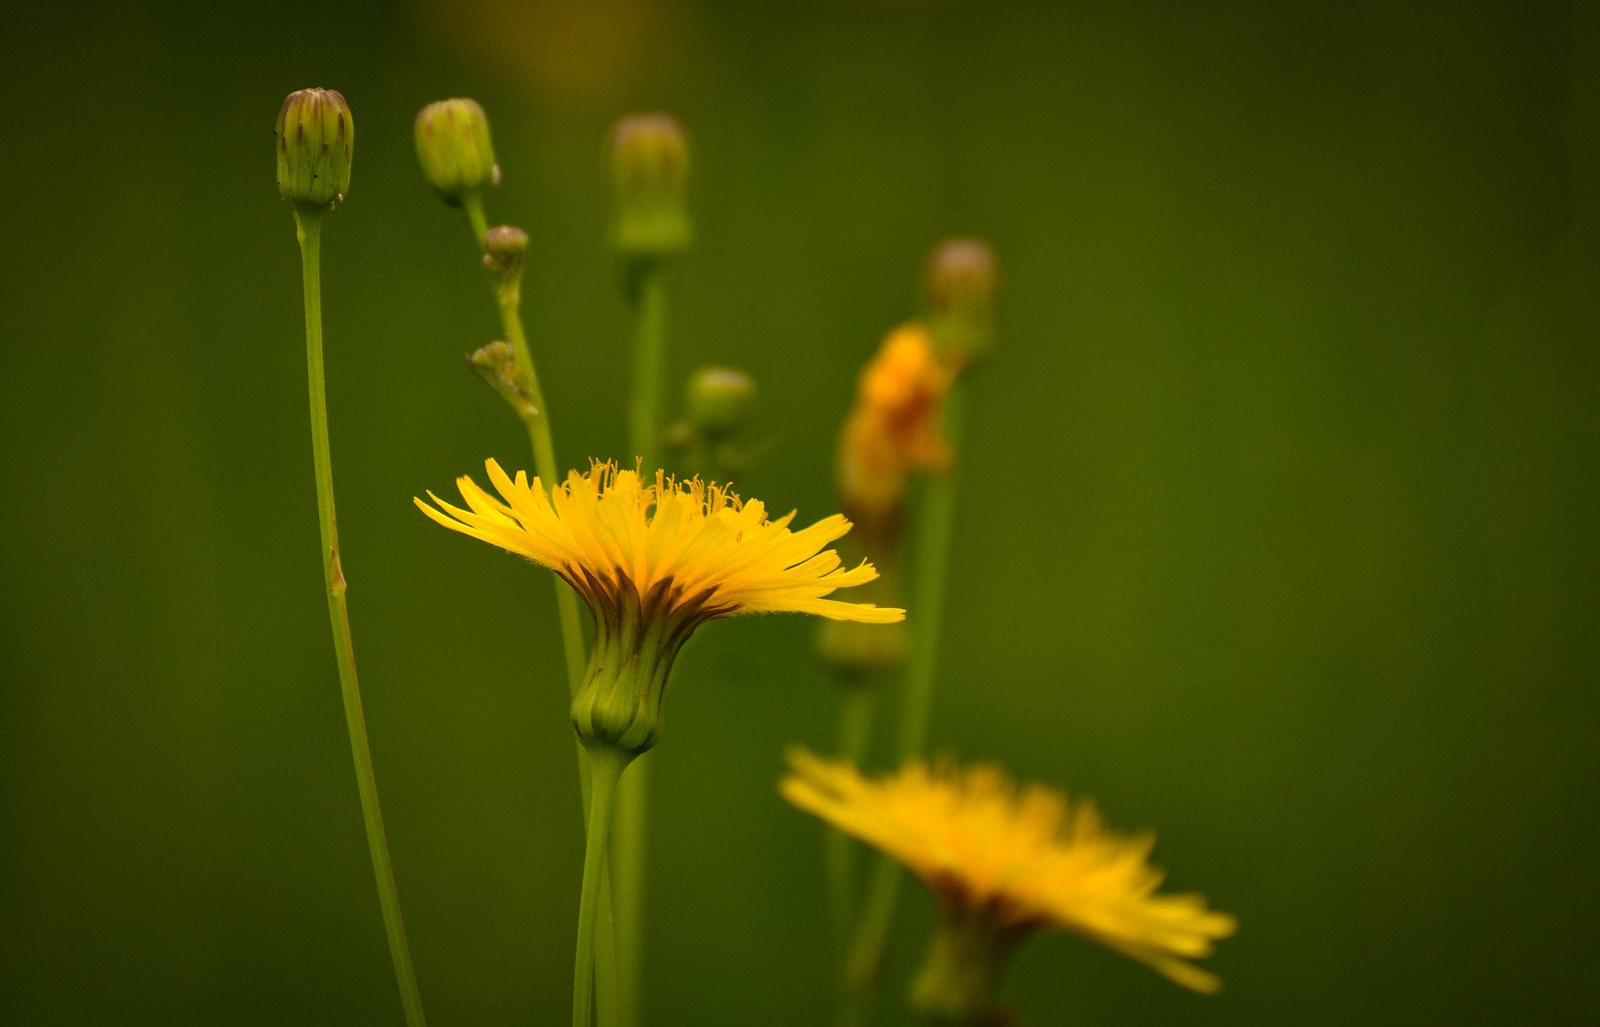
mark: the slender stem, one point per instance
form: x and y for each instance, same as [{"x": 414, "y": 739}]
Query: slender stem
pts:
[
  {"x": 649, "y": 334},
  {"x": 308, "y": 228},
  {"x": 629, "y": 849},
  {"x": 605, "y": 766},
  {"x": 930, "y": 570},
  {"x": 536, "y": 420},
  {"x": 856, "y": 701},
  {"x": 473, "y": 205}
]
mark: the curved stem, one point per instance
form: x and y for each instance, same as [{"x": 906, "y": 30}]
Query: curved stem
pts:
[
  {"x": 605, "y": 770},
  {"x": 308, "y": 229},
  {"x": 931, "y": 568}
]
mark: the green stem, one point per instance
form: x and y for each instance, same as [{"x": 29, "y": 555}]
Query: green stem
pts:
[
  {"x": 649, "y": 332},
  {"x": 308, "y": 228},
  {"x": 856, "y": 700},
  {"x": 927, "y": 607},
  {"x": 648, "y": 288},
  {"x": 536, "y": 420},
  {"x": 473, "y": 205},
  {"x": 605, "y": 770}
]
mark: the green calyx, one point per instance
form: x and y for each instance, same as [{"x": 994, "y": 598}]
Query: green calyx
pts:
[
  {"x": 649, "y": 158},
  {"x": 959, "y": 983},
  {"x": 454, "y": 149},
  {"x": 315, "y": 137},
  {"x": 620, "y": 703}
]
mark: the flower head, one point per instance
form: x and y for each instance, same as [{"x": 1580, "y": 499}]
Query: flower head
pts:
[
  {"x": 454, "y": 149},
  {"x": 315, "y": 134},
  {"x": 654, "y": 559},
  {"x": 1016, "y": 859},
  {"x": 894, "y": 428}
]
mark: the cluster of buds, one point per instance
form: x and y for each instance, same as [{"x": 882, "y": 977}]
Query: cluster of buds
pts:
[
  {"x": 649, "y": 158},
  {"x": 454, "y": 149},
  {"x": 315, "y": 137}
]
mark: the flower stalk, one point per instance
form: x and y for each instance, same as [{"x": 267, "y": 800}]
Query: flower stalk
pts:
[
  {"x": 649, "y": 163},
  {"x": 308, "y": 229}
]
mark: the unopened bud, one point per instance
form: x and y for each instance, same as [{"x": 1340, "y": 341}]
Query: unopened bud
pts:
[
  {"x": 650, "y": 169},
  {"x": 497, "y": 365},
  {"x": 315, "y": 135},
  {"x": 961, "y": 285},
  {"x": 503, "y": 250},
  {"x": 719, "y": 400},
  {"x": 454, "y": 149}
]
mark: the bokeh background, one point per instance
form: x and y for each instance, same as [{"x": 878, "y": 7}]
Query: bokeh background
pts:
[{"x": 1276, "y": 528}]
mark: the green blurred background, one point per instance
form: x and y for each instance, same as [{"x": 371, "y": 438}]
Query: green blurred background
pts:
[{"x": 1276, "y": 529}]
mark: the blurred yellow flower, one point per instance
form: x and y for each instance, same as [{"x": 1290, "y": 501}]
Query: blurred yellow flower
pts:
[
  {"x": 1018, "y": 858},
  {"x": 678, "y": 548},
  {"x": 894, "y": 428}
]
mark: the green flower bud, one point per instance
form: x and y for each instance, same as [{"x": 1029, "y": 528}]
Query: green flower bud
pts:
[
  {"x": 497, "y": 365},
  {"x": 961, "y": 285},
  {"x": 650, "y": 169},
  {"x": 315, "y": 135},
  {"x": 719, "y": 400},
  {"x": 503, "y": 251},
  {"x": 454, "y": 149}
]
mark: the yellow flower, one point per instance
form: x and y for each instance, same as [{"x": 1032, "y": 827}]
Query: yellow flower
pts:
[
  {"x": 893, "y": 429},
  {"x": 654, "y": 561},
  {"x": 1015, "y": 859}
]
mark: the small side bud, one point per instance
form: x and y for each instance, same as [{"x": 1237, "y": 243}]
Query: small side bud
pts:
[
  {"x": 454, "y": 149},
  {"x": 719, "y": 400},
  {"x": 497, "y": 365},
  {"x": 315, "y": 136},
  {"x": 649, "y": 159},
  {"x": 503, "y": 251},
  {"x": 961, "y": 284}
]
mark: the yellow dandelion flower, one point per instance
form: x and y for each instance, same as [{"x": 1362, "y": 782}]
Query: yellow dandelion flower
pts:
[
  {"x": 654, "y": 560},
  {"x": 1005, "y": 861}
]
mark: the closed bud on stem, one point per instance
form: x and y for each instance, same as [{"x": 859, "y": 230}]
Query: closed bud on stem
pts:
[
  {"x": 719, "y": 400},
  {"x": 497, "y": 365},
  {"x": 454, "y": 149},
  {"x": 503, "y": 251},
  {"x": 315, "y": 135},
  {"x": 649, "y": 159},
  {"x": 961, "y": 284}
]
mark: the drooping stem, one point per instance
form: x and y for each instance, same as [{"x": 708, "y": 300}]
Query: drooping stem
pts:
[
  {"x": 932, "y": 561},
  {"x": 605, "y": 770},
  {"x": 856, "y": 701},
  {"x": 308, "y": 228},
  {"x": 629, "y": 849}
]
